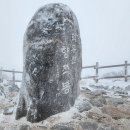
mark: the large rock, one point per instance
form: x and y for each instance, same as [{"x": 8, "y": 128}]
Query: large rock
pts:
[
  {"x": 127, "y": 88},
  {"x": 8, "y": 111},
  {"x": 52, "y": 63},
  {"x": 63, "y": 126},
  {"x": 99, "y": 101},
  {"x": 114, "y": 101},
  {"x": 96, "y": 114},
  {"x": 89, "y": 125},
  {"x": 82, "y": 104},
  {"x": 115, "y": 112}
]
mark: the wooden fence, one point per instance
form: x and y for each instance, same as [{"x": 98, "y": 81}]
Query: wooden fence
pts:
[
  {"x": 13, "y": 75},
  {"x": 96, "y": 77}
]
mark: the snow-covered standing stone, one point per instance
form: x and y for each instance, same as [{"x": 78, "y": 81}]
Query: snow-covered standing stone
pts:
[{"x": 52, "y": 63}]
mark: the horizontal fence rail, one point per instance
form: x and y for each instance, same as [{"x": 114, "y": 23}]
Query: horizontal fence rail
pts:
[
  {"x": 96, "y": 77},
  {"x": 97, "y": 68},
  {"x": 12, "y": 71}
]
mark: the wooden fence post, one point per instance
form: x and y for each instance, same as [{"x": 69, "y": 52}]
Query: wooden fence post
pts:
[
  {"x": 126, "y": 71},
  {"x": 1, "y": 75},
  {"x": 13, "y": 78},
  {"x": 96, "y": 67}
]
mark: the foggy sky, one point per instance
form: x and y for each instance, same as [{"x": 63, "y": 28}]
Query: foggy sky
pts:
[{"x": 104, "y": 27}]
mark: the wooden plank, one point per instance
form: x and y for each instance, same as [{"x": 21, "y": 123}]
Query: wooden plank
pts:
[
  {"x": 11, "y": 71},
  {"x": 111, "y": 77},
  {"x": 18, "y": 72},
  {"x": 108, "y": 66},
  {"x": 92, "y": 66},
  {"x": 111, "y": 66},
  {"x": 89, "y": 77},
  {"x": 106, "y": 77},
  {"x": 16, "y": 80},
  {"x": 7, "y": 70}
]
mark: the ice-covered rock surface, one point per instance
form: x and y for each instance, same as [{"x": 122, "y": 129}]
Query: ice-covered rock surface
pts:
[{"x": 52, "y": 63}]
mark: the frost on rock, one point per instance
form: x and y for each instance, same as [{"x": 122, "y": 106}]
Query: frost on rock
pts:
[{"x": 52, "y": 63}]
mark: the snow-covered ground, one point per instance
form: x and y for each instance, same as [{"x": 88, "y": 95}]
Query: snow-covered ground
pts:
[
  {"x": 105, "y": 82},
  {"x": 104, "y": 89}
]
